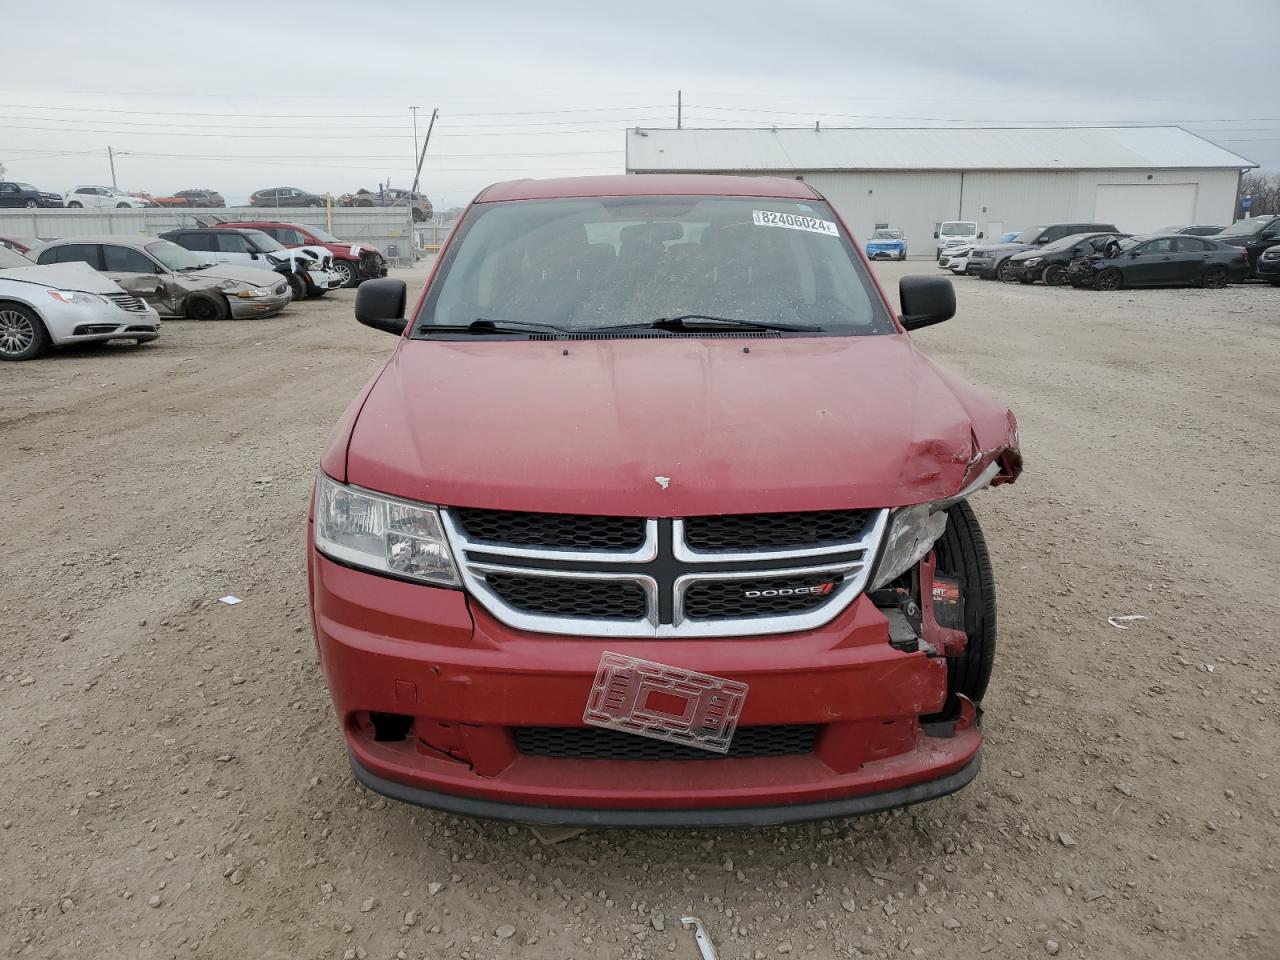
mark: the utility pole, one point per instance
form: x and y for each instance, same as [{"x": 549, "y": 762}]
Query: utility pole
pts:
[
  {"x": 417, "y": 173},
  {"x": 679, "y": 108},
  {"x": 111, "y": 159}
]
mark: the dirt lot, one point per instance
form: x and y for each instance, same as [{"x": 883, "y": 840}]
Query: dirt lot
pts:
[{"x": 175, "y": 784}]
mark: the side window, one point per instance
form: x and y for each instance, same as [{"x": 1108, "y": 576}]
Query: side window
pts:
[
  {"x": 197, "y": 241},
  {"x": 1189, "y": 245},
  {"x": 1273, "y": 231},
  {"x": 1162, "y": 246},
  {"x": 232, "y": 243},
  {"x": 126, "y": 260},
  {"x": 8, "y": 188},
  {"x": 73, "y": 253},
  {"x": 85, "y": 190}
]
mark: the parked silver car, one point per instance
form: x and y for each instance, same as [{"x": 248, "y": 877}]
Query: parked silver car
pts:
[
  {"x": 176, "y": 282},
  {"x": 62, "y": 304}
]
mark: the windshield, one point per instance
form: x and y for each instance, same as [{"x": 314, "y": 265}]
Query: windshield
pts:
[
  {"x": 177, "y": 258},
  {"x": 1244, "y": 228},
  {"x": 1128, "y": 243},
  {"x": 323, "y": 235},
  {"x": 12, "y": 258},
  {"x": 959, "y": 229},
  {"x": 591, "y": 263},
  {"x": 1028, "y": 236},
  {"x": 887, "y": 235},
  {"x": 264, "y": 242},
  {"x": 27, "y": 186}
]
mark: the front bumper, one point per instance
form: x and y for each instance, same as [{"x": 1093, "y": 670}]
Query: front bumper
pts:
[
  {"x": 1267, "y": 269},
  {"x": 896, "y": 252},
  {"x": 981, "y": 268},
  {"x": 69, "y": 323},
  {"x": 324, "y": 279},
  {"x": 1018, "y": 270},
  {"x": 466, "y": 681},
  {"x": 245, "y": 309}
]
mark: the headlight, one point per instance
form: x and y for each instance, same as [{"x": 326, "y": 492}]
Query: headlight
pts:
[
  {"x": 72, "y": 296},
  {"x": 1033, "y": 262},
  {"x": 914, "y": 530},
  {"x": 254, "y": 292},
  {"x": 382, "y": 533}
]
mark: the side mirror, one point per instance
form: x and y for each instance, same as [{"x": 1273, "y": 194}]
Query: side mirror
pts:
[
  {"x": 979, "y": 234},
  {"x": 252, "y": 255},
  {"x": 380, "y": 304},
  {"x": 935, "y": 234},
  {"x": 926, "y": 301}
]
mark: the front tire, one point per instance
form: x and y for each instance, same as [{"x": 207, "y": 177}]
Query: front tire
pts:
[
  {"x": 204, "y": 306},
  {"x": 73, "y": 205},
  {"x": 962, "y": 553},
  {"x": 22, "y": 333},
  {"x": 347, "y": 271},
  {"x": 122, "y": 206},
  {"x": 1054, "y": 275},
  {"x": 298, "y": 286},
  {"x": 1003, "y": 272}
]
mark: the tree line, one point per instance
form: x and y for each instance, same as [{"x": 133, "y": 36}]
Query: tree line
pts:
[{"x": 1265, "y": 190}]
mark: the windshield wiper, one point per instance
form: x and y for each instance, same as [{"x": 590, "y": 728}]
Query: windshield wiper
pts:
[
  {"x": 483, "y": 325},
  {"x": 695, "y": 321}
]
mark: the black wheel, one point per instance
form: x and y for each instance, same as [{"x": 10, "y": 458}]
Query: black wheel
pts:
[
  {"x": 32, "y": 204},
  {"x": 902, "y": 256},
  {"x": 1054, "y": 275},
  {"x": 1215, "y": 278},
  {"x": 347, "y": 271},
  {"x": 204, "y": 306},
  {"x": 1274, "y": 283},
  {"x": 298, "y": 285},
  {"x": 73, "y": 205},
  {"x": 22, "y": 334},
  {"x": 962, "y": 553},
  {"x": 1109, "y": 279},
  {"x": 122, "y": 206},
  {"x": 1004, "y": 271},
  {"x": 315, "y": 203}
]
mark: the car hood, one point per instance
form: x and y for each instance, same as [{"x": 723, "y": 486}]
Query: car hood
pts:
[
  {"x": 1001, "y": 247},
  {"x": 670, "y": 427},
  {"x": 252, "y": 276},
  {"x": 79, "y": 277}
]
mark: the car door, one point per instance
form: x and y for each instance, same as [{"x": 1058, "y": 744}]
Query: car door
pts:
[
  {"x": 1150, "y": 263},
  {"x": 232, "y": 248},
  {"x": 1191, "y": 257},
  {"x": 137, "y": 273},
  {"x": 10, "y": 196}
]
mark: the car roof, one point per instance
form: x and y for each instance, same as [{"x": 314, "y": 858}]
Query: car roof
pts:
[
  {"x": 648, "y": 185},
  {"x": 257, "y": 225},
  {"x": 124, "y": 239}
]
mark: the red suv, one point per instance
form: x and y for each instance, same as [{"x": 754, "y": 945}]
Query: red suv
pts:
[
  {"x": 355, "y": 262},
  {"x": 657, "y": 516}
]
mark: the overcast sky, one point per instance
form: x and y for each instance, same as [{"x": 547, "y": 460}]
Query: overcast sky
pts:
[{"x": 237, "y": 96}]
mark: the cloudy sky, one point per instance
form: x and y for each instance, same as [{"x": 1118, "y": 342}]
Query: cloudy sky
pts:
[{"x": 237, "y": 96}]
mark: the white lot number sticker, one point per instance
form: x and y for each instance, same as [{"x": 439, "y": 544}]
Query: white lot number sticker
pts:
[{"x": 767, "y": 218}]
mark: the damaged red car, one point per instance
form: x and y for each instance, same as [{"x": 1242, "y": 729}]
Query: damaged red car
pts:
[{"x": 657, "y": 516}]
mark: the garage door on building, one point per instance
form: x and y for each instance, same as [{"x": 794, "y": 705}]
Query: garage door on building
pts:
[{"x": 1143, "y": 207}]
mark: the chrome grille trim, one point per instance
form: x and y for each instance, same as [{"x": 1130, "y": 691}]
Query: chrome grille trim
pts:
[{"x": 851, "y": 561}]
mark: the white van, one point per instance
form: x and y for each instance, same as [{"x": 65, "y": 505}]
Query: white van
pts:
[{"x": 954, "y": 233}]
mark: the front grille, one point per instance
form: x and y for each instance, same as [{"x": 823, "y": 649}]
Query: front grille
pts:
[
  {"x": 595, "y": 743},
  {"x": 771, "y": 531},
  {"x": 127, "y": 301},
  {"x": 708, "y": 576},
  {"x": 573, "y": 598},
  {"x": 553, "y": 531},
  {"x": 761, "y": 597}
]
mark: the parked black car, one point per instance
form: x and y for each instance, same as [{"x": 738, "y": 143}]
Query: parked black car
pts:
[
  {"x": 1051, "y": 262},
  {"x": 1268, "y": 265},
  {"x": 1254, "y": 234},
  {"x": 990, "y": 260},
  {"x": 285, "y": 197},
  {"x": 16, "y": 194},
  {"x": 1169, "y": 261},
  {"x": 1195, "y": 230}
]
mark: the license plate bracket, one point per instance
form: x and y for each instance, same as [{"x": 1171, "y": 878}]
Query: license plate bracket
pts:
[{"x": 663, "y": 702}]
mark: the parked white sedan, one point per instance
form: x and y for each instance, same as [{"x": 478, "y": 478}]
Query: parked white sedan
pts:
[
  {"x": 97, "y": 197},
  {"x": 62, "y": 304}
]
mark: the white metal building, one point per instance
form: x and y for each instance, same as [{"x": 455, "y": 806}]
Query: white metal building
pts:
[{"x": 1139, "y": 178}]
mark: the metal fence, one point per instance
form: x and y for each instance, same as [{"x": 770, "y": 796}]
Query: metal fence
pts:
[{"x": 387, "y": 228}]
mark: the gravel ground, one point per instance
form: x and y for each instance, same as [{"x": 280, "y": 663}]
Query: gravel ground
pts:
[{"x": 175, "y": 784}]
